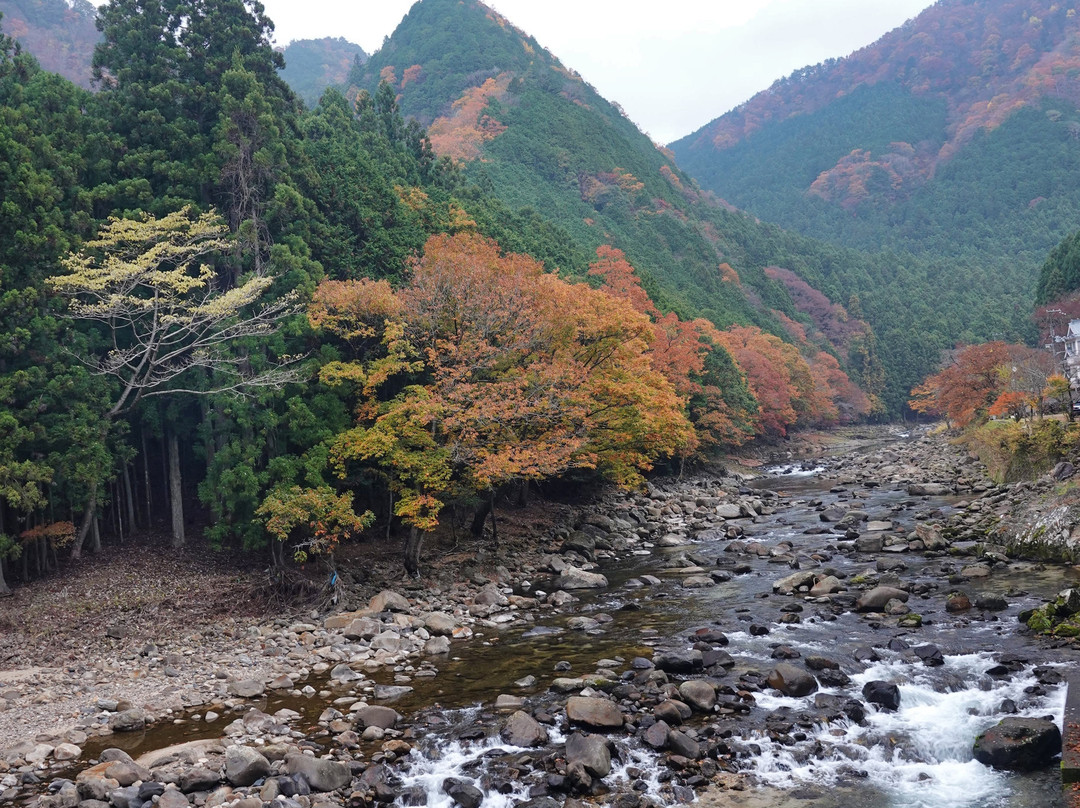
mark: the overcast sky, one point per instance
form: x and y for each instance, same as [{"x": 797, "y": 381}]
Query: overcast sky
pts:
[{"x": 673, "y": 65}]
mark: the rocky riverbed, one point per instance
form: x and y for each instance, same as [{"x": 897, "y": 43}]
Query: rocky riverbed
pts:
[{"x": 702, "y": 638}]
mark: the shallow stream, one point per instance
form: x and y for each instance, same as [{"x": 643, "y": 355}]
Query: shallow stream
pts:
[{"x": 918, "y": 757}]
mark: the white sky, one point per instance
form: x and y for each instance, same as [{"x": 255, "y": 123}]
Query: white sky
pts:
[{"x": 673, "y": 65}]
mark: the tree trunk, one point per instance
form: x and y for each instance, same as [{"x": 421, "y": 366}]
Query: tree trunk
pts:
[
  {"x": 146, "y": 482},
  {"x": 413, "y": 544},
  {"x": 176, "y": 492},
  {"x": 4, "y": 588},
  {"x": 129, "y": 499},
  {"x": 84, "y": 527},
  {"x": 494, "y": 525},
  {"x": 95, "y": 536},
  {"x": 480, "y": 517}
]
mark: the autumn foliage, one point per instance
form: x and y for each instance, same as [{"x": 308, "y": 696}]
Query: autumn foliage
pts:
[{"x": 991, "y": 379}]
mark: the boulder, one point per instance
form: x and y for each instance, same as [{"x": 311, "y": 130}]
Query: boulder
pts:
[
  {"x": 377, "y": 716},
  {"x": 656, "y": 735},
  {"x": 791, "y": 584},
  {"x": 1019, "y": 744},
  {"x": 246, "y": 688},
  {"x": 320, "y": 774},
  {"x": 875, "y": 599},
  {"x": 595, "y": 713},
  {"x": 388, "y": 601},
  {"x": 362, "y": 628},
  {"x": 680, "y": 662},
  {"x": 928, "y": 490},
  {"x": 575, "y": 578},
  {"x": 680, "y": 743},
  {"x": 440, "y": 624},
  {"x": 792, "y": 680},
  {"x": 198, "y": 778},
  {"x": 130, "y": 720},
  {"x": 589, "y": 751},
  {"x": 828, "y": 585},
  {"x": 464, "y": 794},
  {"x": 884, "y": 694},
  {"x": 698, "y": 694},
  {"x": 523, "y": 730},
  {"x": 244, "y": 765}
]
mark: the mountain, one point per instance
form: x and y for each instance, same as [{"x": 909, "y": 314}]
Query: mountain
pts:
[
  {"x": 541, "y": 137},
  {"x": 955, "y": 135},
  {"x": 538, "y": 135},
  {"x": 59, "y": 33},
  {"x": 312, "y": 65}
]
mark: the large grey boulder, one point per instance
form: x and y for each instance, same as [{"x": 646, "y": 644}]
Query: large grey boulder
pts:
[
  {"x": 792, "y": 681},
  {"x": 244, "y": 765},
  {"x": 791, "y": 584},
  {"x": 883, "y": 694},
  {"x": 591, "y": 752},
  {"x": 698, "y": 694},
  {"x": 1019, "y": 744},
  {"x": 875, "y": 599},
  {"x": 130, "y": 720},
  {"x": 523, "y": 730},
  {"x": 377, "y": 715},
  {"x": 575, "y": 578},
  {"x": 594, "y": 712},
  {"x": 320, "y": 774},
  {"x": 388, "y": 601}
]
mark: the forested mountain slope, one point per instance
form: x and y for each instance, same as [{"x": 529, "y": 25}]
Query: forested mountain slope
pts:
[
  {"x": 60, "y": 34},
  {"x": 954, "y": 135},
  {"x": 312, "y": 65},
  {"x": 539, "y": 135}
]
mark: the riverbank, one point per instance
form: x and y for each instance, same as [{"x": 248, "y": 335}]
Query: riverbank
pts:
[{"x": 363, "y": 657}]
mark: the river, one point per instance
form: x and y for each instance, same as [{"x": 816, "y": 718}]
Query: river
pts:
[{"x": 919, "y": 756}]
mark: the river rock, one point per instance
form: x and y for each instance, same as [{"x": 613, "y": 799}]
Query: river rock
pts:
[
  {"x": 928, "y": 490},
  {"x": 870, "y": 544},
  {"x": 594, "y": 712},
  {"x": 790, "y": 584},
  {"x": 244, "y": 765},
  {"x": 66, "y": 751},
  {"x": 680, "y": 743},
  {"x": 464, "y": 794},
  {"x": 699, "y": 694},
  {"x": 930, "y": 654},
  {"x": 957, "y": 602},
  {"x": 656, "y": 735},
  {"x": 729, "y": 510},
  {"x": 321, "y": 775},
  {"x": 362, "y": 628},
  {"x": 437, "y": 646},
  {"x": 130, "y": 720},
  {"x": 591, "y": 752},
  {"x": 440, "y": 624},
  {"x": 377, "y": 715},
  {"x": 172, "y": 798},
  {"x": 1019, "y": 744},
  {"x": 884, "y": 694},
  {"x": 680, "y": 662},
  {"x": 792, "y": 680},
  {"x": 198, "y": 778},
  {"x": 581, "y": 543},
  {"x": 246, "y": 688},
  {"x": 828, "y": 585},
  {"x": 523, "y": 730},
  {"x": 877, "y": 598},
  {"x": 975, "y": 571},
  {"x": 388, "y": 601},
  {"x": 343, "y": 673},
  {"x": 992, "y": 603},
  {"x": 575, "y": 578}
]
